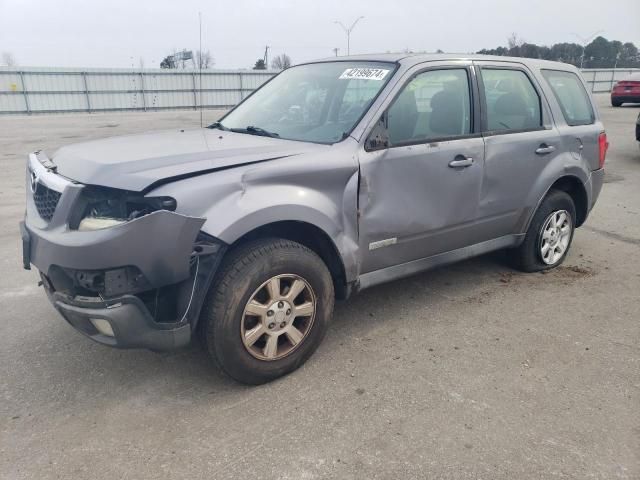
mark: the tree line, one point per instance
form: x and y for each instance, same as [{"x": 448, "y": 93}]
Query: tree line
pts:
[
  {"x": 600, "y": 53},
  {"x": 182, "y": 59}
]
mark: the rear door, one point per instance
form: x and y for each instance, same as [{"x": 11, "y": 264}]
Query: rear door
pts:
[{"x": 520, "y": 141}]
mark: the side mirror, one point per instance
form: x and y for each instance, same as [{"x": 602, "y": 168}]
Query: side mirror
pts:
[{"x": 379, "y": 137}]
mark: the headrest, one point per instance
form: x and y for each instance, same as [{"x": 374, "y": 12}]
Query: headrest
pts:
[
  {"x": 511, "y": 104},
  {"x": 446, "y": 113}
]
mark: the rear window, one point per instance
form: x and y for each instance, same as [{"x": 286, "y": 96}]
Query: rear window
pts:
[{"x": 572, "y": 97}]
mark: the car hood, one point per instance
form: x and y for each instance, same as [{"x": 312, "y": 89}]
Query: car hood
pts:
[{"x": 137, "y": 162}]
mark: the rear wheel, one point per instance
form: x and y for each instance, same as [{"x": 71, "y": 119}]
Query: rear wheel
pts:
[
  {"x": 268, "y": 310},
  {"x": 616, "y": 102},
  {"x": 549, "y": 236}
]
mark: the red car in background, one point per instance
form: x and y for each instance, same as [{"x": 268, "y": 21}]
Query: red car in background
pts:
[{"x": 626, "y": 91}]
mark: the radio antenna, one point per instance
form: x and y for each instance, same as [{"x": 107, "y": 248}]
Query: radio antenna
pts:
[{"x": 199, "y": 57}]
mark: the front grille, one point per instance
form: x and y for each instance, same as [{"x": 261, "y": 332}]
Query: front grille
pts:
[{"x": 46, "y": 201}]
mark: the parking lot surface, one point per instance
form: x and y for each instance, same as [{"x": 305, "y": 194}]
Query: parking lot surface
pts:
[{"x": 473, "y": 371}]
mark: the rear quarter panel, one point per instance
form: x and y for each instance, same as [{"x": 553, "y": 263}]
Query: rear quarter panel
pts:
[{"x": 574, "y": 137}]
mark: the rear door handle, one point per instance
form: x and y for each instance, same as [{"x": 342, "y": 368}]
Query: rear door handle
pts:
[
  {"x": 460, "y": 161},
  {"x": 544, "y": 149}
]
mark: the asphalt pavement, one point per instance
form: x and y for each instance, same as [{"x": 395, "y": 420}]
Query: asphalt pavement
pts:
[{"x": 472, "y": 371}]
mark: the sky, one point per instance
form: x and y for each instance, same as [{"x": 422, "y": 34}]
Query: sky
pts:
[{"x": 118, "y": 33}]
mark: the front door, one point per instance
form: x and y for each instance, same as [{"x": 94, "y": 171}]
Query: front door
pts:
[{"x": 419, "y": 191}]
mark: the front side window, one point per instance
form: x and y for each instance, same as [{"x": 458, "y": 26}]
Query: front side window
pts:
[
  {"x": 434, "y": 104},
  {"x": 512, "y": 102},
  {"x": 319, "y": 102},
  {"x": 572, "y": 97}
]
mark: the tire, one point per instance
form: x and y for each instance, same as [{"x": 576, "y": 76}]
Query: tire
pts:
[
  {"x": 248, "y": 273},
  {"x": 616, "y": 103},
  {"x": 529, "y": 257}
]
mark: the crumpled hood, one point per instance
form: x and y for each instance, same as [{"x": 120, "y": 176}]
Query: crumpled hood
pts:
[{"x": 134, "y": 162}]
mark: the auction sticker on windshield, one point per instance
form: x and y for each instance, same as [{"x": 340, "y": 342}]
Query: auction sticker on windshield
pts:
[{"x": 364, "y": 73}]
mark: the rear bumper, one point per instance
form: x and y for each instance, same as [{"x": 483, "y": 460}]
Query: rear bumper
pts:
[
  {"x": 627, "y": 98},
  {"x": 596, "y": 181},
  {"x": 131, "y": 324}
]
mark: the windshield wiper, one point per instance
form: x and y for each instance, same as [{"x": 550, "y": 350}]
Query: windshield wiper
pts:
[
  {"x": 218, "y": 125},
  {"x": 255, "y": 131}
]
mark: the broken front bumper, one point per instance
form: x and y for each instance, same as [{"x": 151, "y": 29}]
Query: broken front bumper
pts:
[
  {"x": 161, "y": 248},
  {"x": 139, "y": 284},
  {"x": 130, "y": 325}
]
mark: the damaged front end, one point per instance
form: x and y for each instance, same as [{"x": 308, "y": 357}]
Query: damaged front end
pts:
[{"x": 121, "y": 267}]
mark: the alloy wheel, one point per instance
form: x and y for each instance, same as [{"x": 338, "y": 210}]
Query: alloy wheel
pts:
[
  {"x": 555, "y": 236},
  {"x": 278, "y": 317}
]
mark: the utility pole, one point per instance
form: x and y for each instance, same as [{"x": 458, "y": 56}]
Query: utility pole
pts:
[
  {"x": 266, "y": 57},
  {"x": 200, "y": 67},
  {"x": 585, "y": 41},
  {"x": 336, "y": 50},
  {"x": 348, "y": 31}
]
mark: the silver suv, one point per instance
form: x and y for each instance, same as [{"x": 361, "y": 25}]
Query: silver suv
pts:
[{"x": 332, "y": 177}]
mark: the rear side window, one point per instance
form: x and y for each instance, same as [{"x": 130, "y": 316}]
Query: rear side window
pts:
[
  {"x": 434, "y": 104},
  {"x": 572, "y": 97},
  {"x": 512, "y": 102}
]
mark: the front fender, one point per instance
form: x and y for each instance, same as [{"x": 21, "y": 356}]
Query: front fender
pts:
[
  {"x": 321, "y": 191},
  {"x": 267, "y": 204}
]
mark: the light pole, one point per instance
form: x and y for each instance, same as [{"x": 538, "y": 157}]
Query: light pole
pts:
[
  {"x": 585, "y": 41},
  {"x": 348, "y": 30}
]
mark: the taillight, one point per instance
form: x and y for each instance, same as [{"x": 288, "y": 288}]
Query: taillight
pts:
[{"x": 603, "y": 145}]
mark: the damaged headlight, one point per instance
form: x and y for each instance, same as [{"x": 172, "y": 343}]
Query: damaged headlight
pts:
[
  {"x": 102, "y": 207},
  {"x": 97, "y": 223}
]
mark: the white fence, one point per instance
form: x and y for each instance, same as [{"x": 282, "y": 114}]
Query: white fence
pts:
[
  {"x": 601, "y": 80},
  {"x": 58, "y": 90}
]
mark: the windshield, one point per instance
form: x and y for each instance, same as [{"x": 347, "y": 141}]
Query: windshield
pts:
[{"x": 320, "y": 102}]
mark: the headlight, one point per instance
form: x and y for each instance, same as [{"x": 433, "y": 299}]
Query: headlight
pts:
[
  {"x": 102, "y": 207},
  {"x": 97, "y": 223}
]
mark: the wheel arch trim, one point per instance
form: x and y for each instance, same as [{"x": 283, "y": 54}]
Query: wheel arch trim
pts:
[
  {"x": 279, "y": 218},
  {"x": 574, "y": 176}
]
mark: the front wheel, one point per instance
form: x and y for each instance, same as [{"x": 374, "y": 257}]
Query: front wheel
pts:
[
  {"x": 268, "y": 310},
  {"x": 549, "y": 236}
]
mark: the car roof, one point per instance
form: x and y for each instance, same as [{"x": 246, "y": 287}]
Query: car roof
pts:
[{"x": 409, "y": 59}]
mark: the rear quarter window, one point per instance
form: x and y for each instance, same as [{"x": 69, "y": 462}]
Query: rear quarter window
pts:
[{"x": 572, "y": 97}]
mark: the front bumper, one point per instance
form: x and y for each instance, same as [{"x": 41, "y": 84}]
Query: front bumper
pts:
[
  {"x": 131, "y": 324},
  {"x": 158, "y": 263}
]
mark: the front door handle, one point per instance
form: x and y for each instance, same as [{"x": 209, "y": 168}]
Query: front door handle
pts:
[
  {"x": 460, "y": 161},
  {"x": 544, "y": 149}
]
